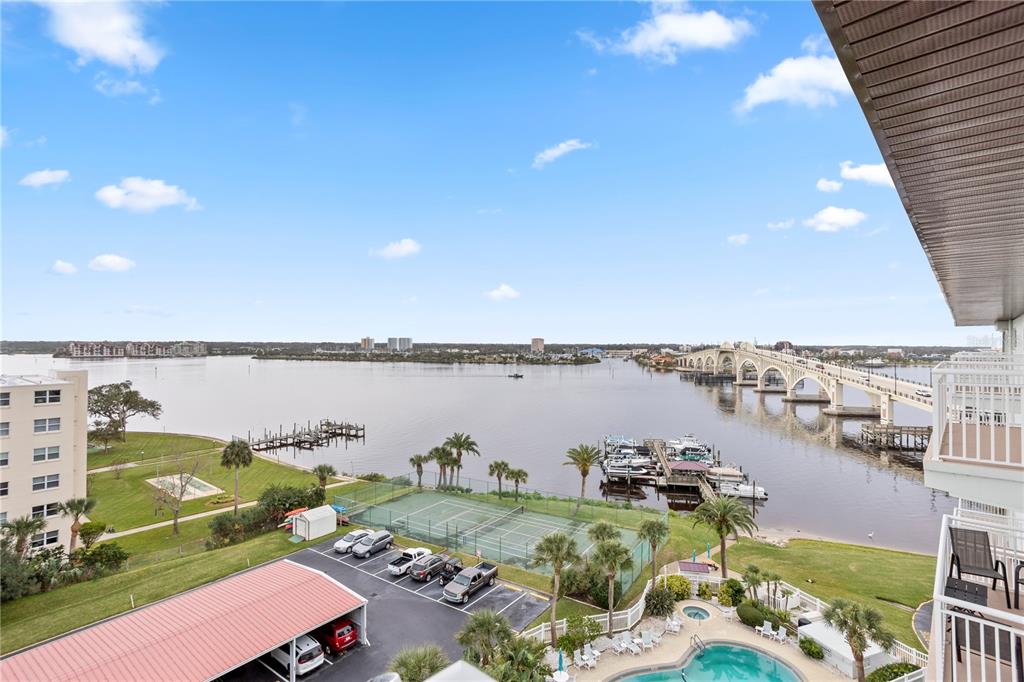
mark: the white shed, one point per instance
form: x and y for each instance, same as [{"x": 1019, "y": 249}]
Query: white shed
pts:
[
  {"x": 838, "y": 653},
  {"x": 314, "y": 523}
]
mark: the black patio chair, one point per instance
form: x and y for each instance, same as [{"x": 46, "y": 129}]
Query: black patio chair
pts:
[{"x": 972, "y": 555}]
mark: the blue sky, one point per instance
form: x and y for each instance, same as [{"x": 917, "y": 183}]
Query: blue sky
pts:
[{"x": 458, "y": 172}]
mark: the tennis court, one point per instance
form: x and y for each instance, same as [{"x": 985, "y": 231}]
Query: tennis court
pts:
[{"x": 498, "y": 532}]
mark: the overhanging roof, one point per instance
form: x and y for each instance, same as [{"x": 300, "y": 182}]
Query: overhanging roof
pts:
[
  {"x": 942, "y": 87},
  {"x": 197, "y": 635}
]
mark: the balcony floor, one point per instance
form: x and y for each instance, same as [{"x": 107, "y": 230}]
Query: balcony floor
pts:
[{"x": 982, "y": 444}]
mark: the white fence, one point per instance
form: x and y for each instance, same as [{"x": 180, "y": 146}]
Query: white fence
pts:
[{"x": 621, "y": 620}]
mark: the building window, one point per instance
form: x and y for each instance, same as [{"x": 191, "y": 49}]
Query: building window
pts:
[
  {"x": 45, "y": 482},
  {"x": 44, "y": 454},
  {"x": 3, "y": 459},
  {"x": 46, "y": 425},
  {"x": 50, "y": 537},
  {"x": 47, "y": 396},
  {"x": 3, "y": 518},
  {"x": 3, "y": 488},
  {"x": 5, "y": 399},
  {"x": 5, "y": 428},
  {"x": 41, "y": 511}
]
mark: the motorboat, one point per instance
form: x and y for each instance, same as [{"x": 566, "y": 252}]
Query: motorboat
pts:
[
  {"x": 744, "y": 490},
  {"x": 687, "y": 447},
  {"x": 614, "y": 443},
  {"x": 620, "y": 469},
  {"x": 725, "y": 475}
]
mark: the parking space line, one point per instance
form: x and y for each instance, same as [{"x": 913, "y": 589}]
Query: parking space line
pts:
[
  {"x": 426, "y": 585},
  {"x": 276, "y": 674},
  {"x": 513, "y": 601}
]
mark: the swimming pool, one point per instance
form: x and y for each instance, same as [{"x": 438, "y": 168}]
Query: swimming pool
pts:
[
  {"x": 724, "y": 662},
  {"x": 696, "y": 612}
]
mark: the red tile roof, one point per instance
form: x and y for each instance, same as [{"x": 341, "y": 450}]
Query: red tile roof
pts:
[{"x": 197, "y": 635}]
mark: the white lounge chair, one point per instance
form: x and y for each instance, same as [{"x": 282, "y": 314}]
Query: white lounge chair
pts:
[
  {"x": 672, "y": 626},
  {"x": 645, "y": 640},
  {"x": 656, "y": 637},
  {"x": 629, "y": 644},
  {"x": 581, "y": 661},
  {"x": 590, "y": 652},
  {"x": 780, "y": 635},
  {"x": 766, "y": 629}
]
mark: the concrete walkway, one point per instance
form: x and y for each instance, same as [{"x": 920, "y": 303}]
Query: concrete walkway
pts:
[{"x": 126, "y": 465}]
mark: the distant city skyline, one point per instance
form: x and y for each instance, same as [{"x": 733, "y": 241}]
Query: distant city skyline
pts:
[{"x": 475, "y": 172}]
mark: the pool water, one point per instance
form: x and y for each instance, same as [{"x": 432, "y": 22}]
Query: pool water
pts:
[
  {"x": 725, "y": 662},
  {"x": 696, "y": 612}
]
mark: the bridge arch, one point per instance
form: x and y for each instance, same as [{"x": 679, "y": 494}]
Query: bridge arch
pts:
[
  {"x": 726, "y": 362},
  {"x": 764, "y": 378},
  {"x": 745, "y": 366},
  {"x": 823, "y": 385}
]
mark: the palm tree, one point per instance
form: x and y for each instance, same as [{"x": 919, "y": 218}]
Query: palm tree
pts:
[
  {"x": 23, "y": 528},
  {"x": 517, "y": 476},
  {"x": 725, "y": 516},
  {"x": 236, "y": 454},
  {"x": 483, "y": 634},
  {"x": 655, "y": 533},
  {"x": 582, "y": 457},
  {"x": 612, "y": 557},
  {"x": 602, "y": 531},
  {"x": 444, "y": 458},
  {"x": 417, "y": 462},
  {"x": 521, "y": 659},
  {"x": 322, "y": 473},
  {"x": 772, "y": 581},
  {"x": 415, "y": 664},
  {"x": 76, "y": 508},
  {"x": 556, "y": 550},
  {"x": 753, "y": 578},
  {"x": 461, "y": 443},
  {"x": 499, "y": 469},
  {"x": 860, "y": 625}
]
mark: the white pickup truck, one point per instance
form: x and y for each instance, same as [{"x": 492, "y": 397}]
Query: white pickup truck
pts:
[{"x": 400, "y": 565}]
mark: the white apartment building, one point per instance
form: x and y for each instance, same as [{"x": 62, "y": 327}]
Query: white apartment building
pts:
[
  {"x": 404, "y": 344},
  {"x": 922, "y": 73},
  {"x": 43, "y": 425}
]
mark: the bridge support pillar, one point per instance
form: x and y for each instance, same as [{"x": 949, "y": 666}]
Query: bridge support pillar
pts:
[
  {"x": 885, "y": 413},
  {"x": 837, "y": 395}
]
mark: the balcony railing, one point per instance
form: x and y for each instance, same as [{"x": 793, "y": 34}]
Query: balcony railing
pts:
[{"x": 979, "y": 409}]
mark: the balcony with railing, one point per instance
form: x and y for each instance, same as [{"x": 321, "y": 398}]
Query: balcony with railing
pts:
[{"x": 977, "y": 446}]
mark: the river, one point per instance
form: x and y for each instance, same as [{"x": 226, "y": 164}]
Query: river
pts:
[{"x": 818, "y": 484}]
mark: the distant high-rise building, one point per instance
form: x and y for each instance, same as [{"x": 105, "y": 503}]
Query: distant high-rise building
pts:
[
  {"x": 392, "y": 344},
  {"x": 404, "y": 344},
  {"x": 366, "y": 344},
  {"x": 537, "y": 345}
]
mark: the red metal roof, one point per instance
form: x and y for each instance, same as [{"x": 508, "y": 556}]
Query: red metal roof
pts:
[{"x": 197, "y": 635}]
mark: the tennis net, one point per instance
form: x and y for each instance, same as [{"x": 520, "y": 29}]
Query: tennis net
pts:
[{"x": 487, "y": 525}]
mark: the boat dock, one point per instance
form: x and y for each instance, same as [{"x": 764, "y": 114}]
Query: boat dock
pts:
[
  {"x": 307, "y": 437},
  {"x": 894, "y": 437}
]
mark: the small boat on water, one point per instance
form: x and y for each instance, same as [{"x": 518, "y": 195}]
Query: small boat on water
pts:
[
  {"x": 618, "y": 469},
  {"x": 614, "y": 443},
  {"x": 743, "y": 490},
  {"x": 688, "y": 447},
  {"x": 725, "y": 475},
  {"x": 515, "y": 376}
]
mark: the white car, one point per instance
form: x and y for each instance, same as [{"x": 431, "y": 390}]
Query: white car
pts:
[
  {"x": 924, "y": 392},
  {"x": 344, "y": 545},
  {"x": 308, "y": 655},
  {"x": 401, "y": 565}
]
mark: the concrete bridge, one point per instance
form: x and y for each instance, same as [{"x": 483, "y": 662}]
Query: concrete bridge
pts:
[{"x": 757, "y": 367}]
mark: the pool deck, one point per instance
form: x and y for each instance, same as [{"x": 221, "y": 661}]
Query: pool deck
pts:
[{"x": 717, "y": 628}]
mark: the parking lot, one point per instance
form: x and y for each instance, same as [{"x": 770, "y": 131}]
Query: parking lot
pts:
[{"x": 401, "y": 612}]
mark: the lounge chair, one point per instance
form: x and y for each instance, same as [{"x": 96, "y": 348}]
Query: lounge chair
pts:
[
  {"x": 645, "y": 640},
  {"x": 656, "y": 637},
  {"x": 765, "y": 630},
  {"x": 581, "y": 661},
  {"x": 673, "y": 626},
  {"x": 617, "y": 647},
  {"x": 972, "y": 555},
  {"x": 780, "y": 635},
  {"x": 627, "y": 641},
  {"x": 589, "y": 652}
]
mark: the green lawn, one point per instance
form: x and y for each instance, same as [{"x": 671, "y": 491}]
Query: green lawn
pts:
[
  {"x": 872, "y": 576},
  {"x": 140, "y": 446},
  {"x": 160, "y": 544},
  {"x": 566, "y": 607}
]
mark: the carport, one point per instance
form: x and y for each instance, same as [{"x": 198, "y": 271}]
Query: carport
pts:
[{"x": 198, "y": 635}]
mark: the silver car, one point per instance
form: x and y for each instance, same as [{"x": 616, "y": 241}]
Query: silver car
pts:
[{"x": 345, "y": 544}]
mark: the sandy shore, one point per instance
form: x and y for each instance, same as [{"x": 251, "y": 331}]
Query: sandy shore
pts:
[{"x": 780, "y": 536}]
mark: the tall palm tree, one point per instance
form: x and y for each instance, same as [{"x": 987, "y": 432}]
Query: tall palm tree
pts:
[
  {"x": 860, "y": 625},
  {"x": 517, "y": 476},
  {"x": 655, "y": 533},
  {"x": 602, "y": 531},
  {"x": 415, "y": 664},
  {"x": 499, "y": 469},
  {"x": 443, "y": 457},
  {"x": 611, "y": 557},
  {"x": 582, "y": 457},
  {"x": 556, "y": 550},
  {"x": 772, "y": 580},
  {"x": 521, "y": 659},
  {"x": 753, "y": 579},
  {"x": 322, "y": 473},
  {"x": 417, "y": 462},
  {"x": 76, "y": 508},
  {"x": 483, "y": 634},
  {"x": 23, "y": 528},
  {"x": 461, "y": 443},
  {"x": 725, "y": 516},
  {"x": 236, "y": 454}
]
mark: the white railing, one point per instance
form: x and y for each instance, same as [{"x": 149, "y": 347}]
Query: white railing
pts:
[
  {"x": 979, "y": 408},
  {"x": 621, "y": 620},
  {"x": 916, "y": 676}
]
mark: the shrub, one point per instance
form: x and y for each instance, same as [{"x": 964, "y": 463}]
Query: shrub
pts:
[
  {"x": 680, "y": 587},
  {"x": 891, "y": 672},
  {"x": 579, "y": 630},
  {"x": 735, "y": 589},
  {"x": 811, "y": 648},
  {"x": 278, "y": 500},
  {"x": 704, "y": 592},
  {"x": 599, "y": 593},
  {"x": 373, "y": 477},
  {"x": 582, "y": 582},
  {"x": 660, "y": 602},
  {"x": 749, "y": 615},
  {"x": 106, "y": 557},
  {"x": 724, "y": 599},
  {"x": 90, "y": 532}
]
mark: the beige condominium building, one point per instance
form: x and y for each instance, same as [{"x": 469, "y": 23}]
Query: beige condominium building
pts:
[{"x": 43, "y": 424}]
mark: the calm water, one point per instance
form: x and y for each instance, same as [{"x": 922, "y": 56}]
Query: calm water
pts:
[
  {"x": 815, "y": 482},
  {"x": 725, "y": 662}
]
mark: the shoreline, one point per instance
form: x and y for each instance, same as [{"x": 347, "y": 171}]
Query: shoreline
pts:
[{"x": 781, "y": 536}]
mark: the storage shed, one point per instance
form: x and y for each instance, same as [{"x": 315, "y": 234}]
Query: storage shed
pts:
[
  {"x": 315, "y": 523},
  {"x": 838, "y": 653}
]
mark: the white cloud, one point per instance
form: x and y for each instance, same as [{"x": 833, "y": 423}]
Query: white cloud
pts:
[
  {"x": 782, "y": 224},
  {"x": 111, "y": 32},
  {"x": 488, "y": 211},
  {"x": 591, "y": 72},
  {"x": 298, "y": 112},
  {"x": 400, "y": 249},
  {"x": 145, "y": 195},
  {"x": 124, "y": 87},
  {"x": 111, "y": 262},
  {"x": 502, "y": 293},
  {"x": 811, "y": 80},
  {"x": 738, "y": 239},
  {"x": 561, "y": 149},
  {"x": 762, "y": 291},
  {"x": 825, "y": 185},
  {"x": 62, "y": 267},
  {"x": 832, "y": 219},
  {"x": 673, "y": 29},
  {"x": 813, "y": 44},
  {"x": 44, "y": 177},
  {"x": 4, "y": 136},
  {"x": 873, "y": 174}
]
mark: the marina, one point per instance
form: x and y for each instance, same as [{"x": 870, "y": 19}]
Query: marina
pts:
[{"x": 323, "y": 433}]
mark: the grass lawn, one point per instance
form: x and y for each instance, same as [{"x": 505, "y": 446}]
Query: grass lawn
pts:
[
  {"x": 154, "y": 445},
  {"x": 879, "y": 578},
  {"x": 566, "y": 607},
  {"x": 160, "y": 544}
]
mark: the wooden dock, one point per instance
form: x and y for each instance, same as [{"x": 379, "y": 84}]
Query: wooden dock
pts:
[
  {"x": 671, "y": 479},
  {"x": 307, "y": 437},
  {"x": 894, "y": 437}
]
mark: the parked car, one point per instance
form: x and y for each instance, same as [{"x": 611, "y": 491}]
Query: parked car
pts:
[
  {"x": 373, "y": 543},
  {"x": 425, "y": 568},
  {"x": 452, "y": 567},
  {"x": 469, "y": 581},
  {"x": 345, "y": 545},
  {"x": 337, "y": 636},
  {"x": 308, "y": 655},
  {"x": 406, "y": 559}
]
